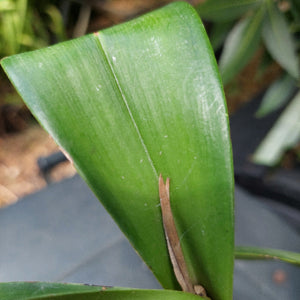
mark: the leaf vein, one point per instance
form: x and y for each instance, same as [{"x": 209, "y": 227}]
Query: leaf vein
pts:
[{"x": 127, "y": 105}]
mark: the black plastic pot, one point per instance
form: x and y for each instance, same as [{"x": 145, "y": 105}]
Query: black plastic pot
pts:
[{"x": 247, "y": 132}]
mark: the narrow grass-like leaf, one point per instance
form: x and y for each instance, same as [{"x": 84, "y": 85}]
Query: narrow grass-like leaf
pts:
[
  {"x": 240, "y": 45},
  {"x": 134, "y": 101},
  {"x": 263, "y": 253},
  {"x": 222, "y": 11},
  {"x": 283, "y": 135},
  {"x": 62, "y": 291},
  {"x": 277, "y": 95},
  {"x": 279, "y": 40}
]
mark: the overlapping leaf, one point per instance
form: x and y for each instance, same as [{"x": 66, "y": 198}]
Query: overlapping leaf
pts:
[
  {"x": 279, "y": 40},
  {"x": 220, "y": 10},
  {"x": 277, "y": 95},
  {"x": 263, "y": 253},
  {"x": 218, "y": 33},
  {"x": 284, "y": 135},
  {"x": 61, "y": 291},
  {"x": 240, "y": 45}
]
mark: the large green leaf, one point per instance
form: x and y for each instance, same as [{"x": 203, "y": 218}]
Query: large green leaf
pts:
[
  {"x": 263, "y": 253},
  {"x": 222, "y": 11},
  {"x": 240, "y": 45},
  {"x": 61, "y": 291},
  {"x": 134, "y": 101},
  {"x": 279, "y": 40}
]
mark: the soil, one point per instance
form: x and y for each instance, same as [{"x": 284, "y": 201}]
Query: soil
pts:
[{"x": 19, "y": 172}]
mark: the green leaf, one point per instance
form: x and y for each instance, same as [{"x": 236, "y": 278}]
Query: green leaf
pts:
[
  {"x": 277, "y": 95},
  {"x": 6, "y": 5},
  {"x": 47, "y": 290},
  {"x": 279, "y": 40},
  {"x": 222, "y": 11},
  {"x": 240, "y": 45},
  {"x": 134, "y": 101},
  {"x": 57, "y": 22},
  {"x": 218, "y": 33},
  {"x": 262, "y": 253},
  {"x": 62, "y": 291},
  {"x": 283, "y": 135}
]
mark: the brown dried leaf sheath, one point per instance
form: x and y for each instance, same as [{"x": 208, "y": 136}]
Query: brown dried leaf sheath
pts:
[{"x": 175, "y": 251}]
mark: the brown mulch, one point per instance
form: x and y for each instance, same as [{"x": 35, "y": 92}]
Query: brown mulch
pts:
[{"x": 19, "y": 172}]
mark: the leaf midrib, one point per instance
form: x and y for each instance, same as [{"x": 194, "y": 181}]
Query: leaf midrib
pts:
[{"x": 97, "y": 36}]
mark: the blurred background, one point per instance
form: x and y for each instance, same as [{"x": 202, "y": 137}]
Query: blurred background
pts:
[{"x": 256, "y": 43}]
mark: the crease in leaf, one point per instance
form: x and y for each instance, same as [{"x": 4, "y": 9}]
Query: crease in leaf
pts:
[{"x": 98, "y": 35}]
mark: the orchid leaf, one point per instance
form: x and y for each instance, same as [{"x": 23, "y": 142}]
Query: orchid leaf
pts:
[
  {"x": 276, "y": 95},
  {"x": 240, "y": 45},
  {"x": 62, "y": 291},
  {"x": 284, "y": 135},
  {"x": 229, "y": 10},
  {"x": 263, "y": 253},
  {"x": 279, "y": 40},
  {"x": 131, "y": 102}
]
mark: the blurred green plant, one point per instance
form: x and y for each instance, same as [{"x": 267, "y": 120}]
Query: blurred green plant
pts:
[
  {"x": 28, "y": 25},
  {"x": 242, "y": 26},
  {"x": 24, "y": 25}
]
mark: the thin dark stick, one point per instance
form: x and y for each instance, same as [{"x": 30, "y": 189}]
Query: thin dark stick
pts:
[{"x": 174, "y": 248}]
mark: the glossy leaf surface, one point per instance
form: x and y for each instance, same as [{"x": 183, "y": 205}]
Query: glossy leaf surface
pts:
[
  {"x": 220, "y": 10},
  {"x": 134, "y": 101},
  {"x": 61, "y": 291},
  {"x": 262, "y": 253},
  {"x": 240, "y": 45},
  {"x": 279, "y": 40}
]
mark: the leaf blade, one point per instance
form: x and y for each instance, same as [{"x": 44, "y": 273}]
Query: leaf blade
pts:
[
  {"x": 284, "y": 134},
  {"x": 218, "y": 10},
  {"x": 279, "y": 40},
  {"x": 276, "y": 96},
  {"x": 166, "y": 134},
  {"x": 130, "y": 110},
  {"x": 265, "y": 253},
  {"x": 63, "y": 291},
  {"x": 240, "y": 45}
]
